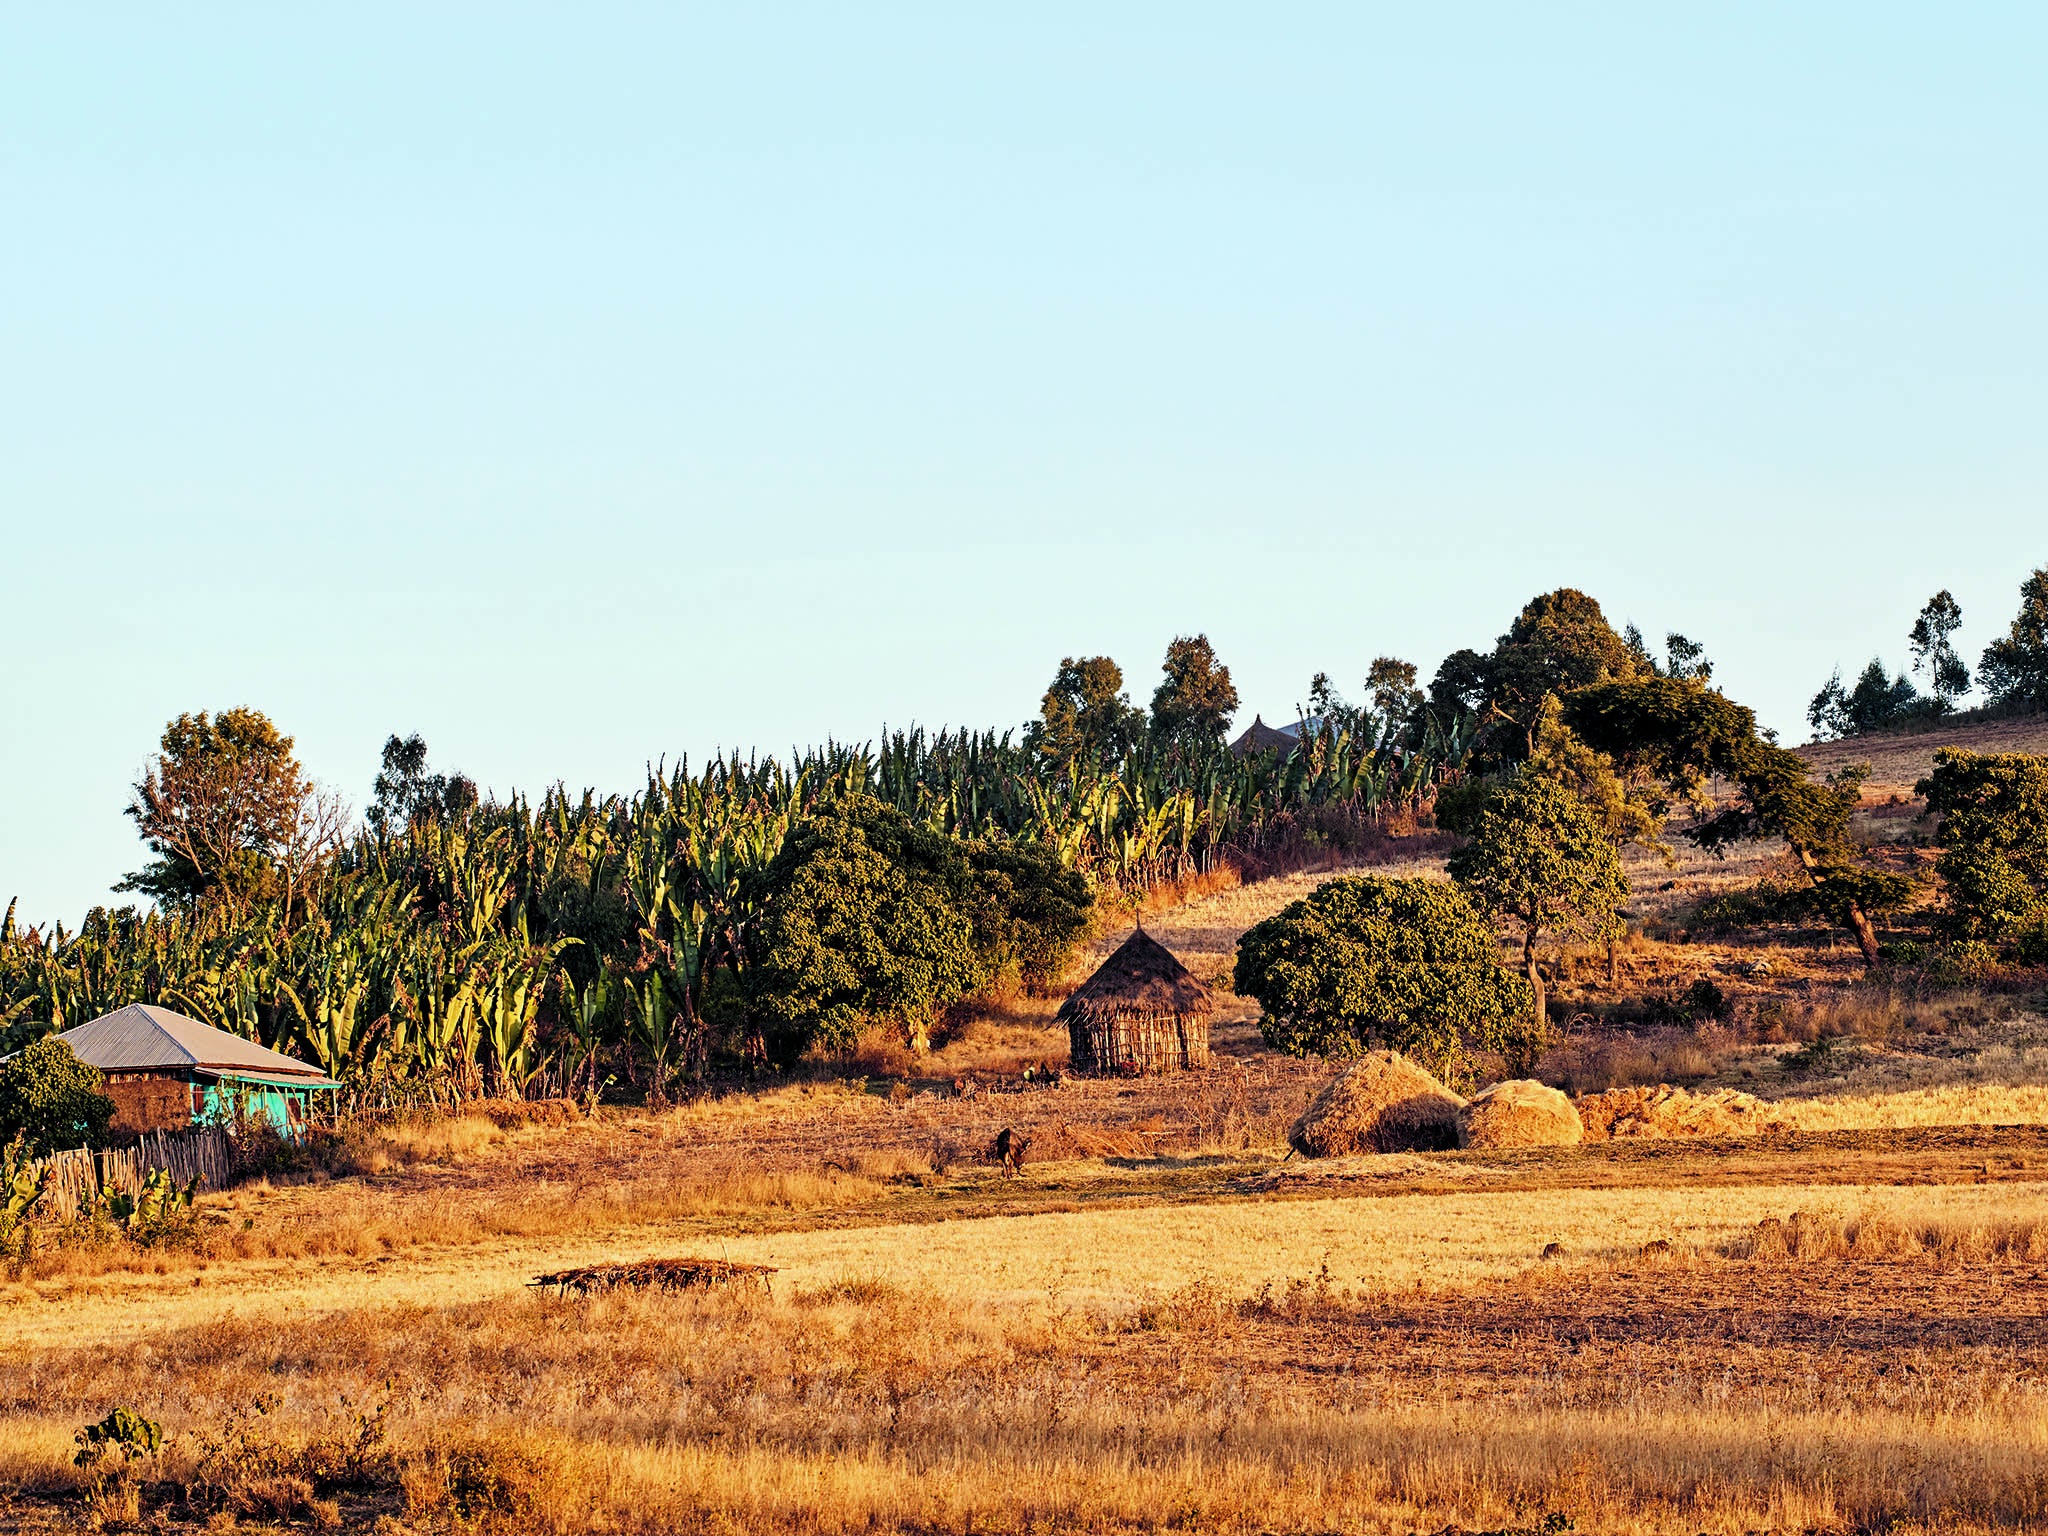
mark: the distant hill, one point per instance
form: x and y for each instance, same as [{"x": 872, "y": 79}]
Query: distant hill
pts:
[{"x": 1898, "y": 761}]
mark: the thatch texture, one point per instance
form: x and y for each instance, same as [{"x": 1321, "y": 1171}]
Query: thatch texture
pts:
[
  {"x": 1662, "y": 1110},
  {"x": 1519, "y": 1113},
  {"x": 1142, "y": 1012},
  {"x": 1384, "y": 1103}
]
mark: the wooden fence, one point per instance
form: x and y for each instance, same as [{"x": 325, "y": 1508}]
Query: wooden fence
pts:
[
  {"x": 75, "y": 1177},
  {"x": 1128, "y": 1041}
]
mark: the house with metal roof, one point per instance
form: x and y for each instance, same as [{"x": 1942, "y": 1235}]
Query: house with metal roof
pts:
[{"x": 165, "y": 1072}]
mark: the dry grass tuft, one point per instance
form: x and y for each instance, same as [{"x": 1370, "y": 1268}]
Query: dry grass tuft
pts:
[{"x": 1893, "y": 1235}]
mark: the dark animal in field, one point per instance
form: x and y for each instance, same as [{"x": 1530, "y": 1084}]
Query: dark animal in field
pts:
[
  {"x": 1553, "y": 1250},
  {"x": 1010, "y": 1149}
]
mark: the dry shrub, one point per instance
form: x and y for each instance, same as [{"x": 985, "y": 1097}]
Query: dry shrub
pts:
[
  {"x": 1383, "y": 1103},
  {"x": 1879, "y": 1235},
  {"x": 488, "y": 1480},
  {"x": 406, "y": 1143},
  {"x": 1667, "y": 1111},
  {"x": 1065, "y": 1141},
  {"x": 1519, "y": 1113},
  {"x": 879, "y": 1051},
  {"x": 515, "y": 1114},
  {"x": 1596, "y": 1064}
]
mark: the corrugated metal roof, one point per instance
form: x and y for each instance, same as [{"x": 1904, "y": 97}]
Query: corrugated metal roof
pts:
[
  {"x": 142, "y": 1036},
  {"x": 268, "y": 1079}
]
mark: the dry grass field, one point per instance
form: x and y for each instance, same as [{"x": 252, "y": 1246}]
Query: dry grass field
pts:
[{"x": 1839, "y": 1324}]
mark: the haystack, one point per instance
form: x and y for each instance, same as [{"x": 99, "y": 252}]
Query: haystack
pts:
[
  {"x": 1142, "y": 1012},
  {"x": 1385, "y": 1103},
  {"x": 1662, "y": 1111},
  {"x": 1519, "y": 1113}
]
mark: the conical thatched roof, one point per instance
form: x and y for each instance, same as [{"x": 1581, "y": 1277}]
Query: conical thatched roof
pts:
[
  {"x": 1143, "y": 977},
  {"x": 1261, "y": 737}
]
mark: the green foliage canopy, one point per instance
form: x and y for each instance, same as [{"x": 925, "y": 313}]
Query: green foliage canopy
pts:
[
  {"x": 1538, "y": 859},
  {"x": 1085, "y": 715},
  {"x": 1371, "y": 963},
  {"x": 1684, "y": 734},
  {"x": 865, "y": 915},
  {"x": 1559, "y": 642},
  {"x": 2014, "y": 667},
  {"x": 1194, "y": 702},
  {"x": 1994, "y": 828},
  {"x": 52, "y": 1099}
]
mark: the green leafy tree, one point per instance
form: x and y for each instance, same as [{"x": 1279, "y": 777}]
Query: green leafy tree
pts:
[
  {"x": 230, "y": 815},
  {"x": 1391, "y": 683},
  {"x": 1377, "y": 963},
  {"x": 1994, "y": 833},
  {"x": 1878, "y": 701},
  {"x": 1193, "y": 704},
  {"x": 1934, "y": 652},
  {"x": 408, "y": 794},
  {"x": 1684, "y": 735},
  {"x": 1628, "y": 810},
  {"x": 1085, "y": 715},
  {"x": 2014, "y": 669},
  {"x": 1540, "y": 860},
  {"x": 52, "y": 1099},
  {"x": 1559, "y": 642},
  {"x": 869, "y": 915},
  {"x": 848, "y": 935}
]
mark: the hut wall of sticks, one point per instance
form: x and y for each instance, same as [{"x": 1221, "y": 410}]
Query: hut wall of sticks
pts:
[{"x": 1143, "y": 1012}]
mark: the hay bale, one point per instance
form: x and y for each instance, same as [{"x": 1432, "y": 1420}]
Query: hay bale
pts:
[
  {"x": 1663, "y": 1111},
  {"x": 1519, "y": 1113},
  {"x": 1382, "y": 1103}
]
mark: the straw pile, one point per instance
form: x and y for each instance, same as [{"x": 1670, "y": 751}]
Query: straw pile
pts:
[
  {"x": 1384, "y": 1103},
  {"x": 1662, "y": 1110},
  {"x": 654, "y": 1274},
  {"x": 1519, "y": 1113}
]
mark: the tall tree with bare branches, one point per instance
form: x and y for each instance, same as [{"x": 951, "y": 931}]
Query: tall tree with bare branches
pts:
[{"x": 230, "y": 815}]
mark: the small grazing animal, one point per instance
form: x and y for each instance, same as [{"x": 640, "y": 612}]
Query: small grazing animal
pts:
[
  {"x": 1553, "y": 1250},
  {"x": 1010, "y": 1150},
  {"x": 1657, "y": 1248}
]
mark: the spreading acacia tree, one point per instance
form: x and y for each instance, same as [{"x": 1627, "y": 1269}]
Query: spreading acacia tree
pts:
[
  {"x": 1373, "y": 963},
  {"x": 1686, "y": 735},
  {"x": 1539, "y": 860}
]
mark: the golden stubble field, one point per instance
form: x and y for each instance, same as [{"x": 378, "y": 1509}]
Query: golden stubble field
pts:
[{"x": 1840, "y": 1327}]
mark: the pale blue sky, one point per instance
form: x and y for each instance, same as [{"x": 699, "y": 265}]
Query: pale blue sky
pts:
[{"x": 581, "y": 384}]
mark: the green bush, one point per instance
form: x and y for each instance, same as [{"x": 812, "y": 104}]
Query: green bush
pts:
[
  {"x": 1376, "y": 963},
  {"x": 52, "y": 1099},
  {"x": 866, "y": 915},
  {"x": 1994, "y": 831}
]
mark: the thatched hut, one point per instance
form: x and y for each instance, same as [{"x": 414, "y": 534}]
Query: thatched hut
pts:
[{"x": 1143, "y": 1011}]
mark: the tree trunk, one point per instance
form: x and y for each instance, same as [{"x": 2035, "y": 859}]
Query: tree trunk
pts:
[
  {"x": 1858, "y": 920},
  {"x": 1535, "y": 973},
  {"x": 1866, "y": 935}
]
